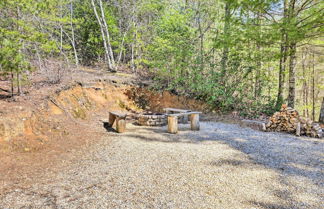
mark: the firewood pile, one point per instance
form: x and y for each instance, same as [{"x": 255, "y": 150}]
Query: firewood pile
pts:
[{"x": 288, "y": 120}]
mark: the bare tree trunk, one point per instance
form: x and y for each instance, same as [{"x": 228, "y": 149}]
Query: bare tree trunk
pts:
[
  {"x": 304, "y": 55},
  {"x": 18, "y": 84},
  {"x": 292, "y": 58},
  {"x": 308, "y": 89},
  {"x": 283, "y": 59},
  {"x": 61, "y": 27},
  {"x": 12, "y": 84},
  {"x": 292, "y": 76},
  {"x": 121, "y": 49},
  {"x": 19, "y": 67},
  {"x": 321, "y": 117},
  {"x": 258, "y": 86},
  {"x": 103, "y": 18},
  {"x": 39, "y": 58},
  {"x": 313, "y": 88},
  {"x": 201, "y": 35},
  {"x": 282, "y": 69},
  {"x": 226, "y": 34},
  {"x": 110, "y": 66},
  {"x": 73, "y": 38},
  {"x": 132, "y": 59},
  {"x": 133, "y": 48}
]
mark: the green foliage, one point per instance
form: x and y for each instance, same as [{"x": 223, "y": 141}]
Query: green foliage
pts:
[
  {"x": 11, "y": 57},
  {"x": 224, "y": 52},
  {"x": 171, "y": 49}
]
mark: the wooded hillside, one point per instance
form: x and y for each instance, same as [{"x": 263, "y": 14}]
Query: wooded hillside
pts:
[{"x": 248, "y": 55}]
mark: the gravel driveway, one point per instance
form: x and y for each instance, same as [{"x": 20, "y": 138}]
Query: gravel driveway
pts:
[{"x": 222, "y": 166}]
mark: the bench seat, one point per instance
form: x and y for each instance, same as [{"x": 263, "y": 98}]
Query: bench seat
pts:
[{"x": 120, "y": 119}]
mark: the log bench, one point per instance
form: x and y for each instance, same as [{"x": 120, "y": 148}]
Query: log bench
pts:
[
  {"x": 120, "y": 119},
  {"x": 183, "y": 118},
  {"x": 173, "y": 121}
]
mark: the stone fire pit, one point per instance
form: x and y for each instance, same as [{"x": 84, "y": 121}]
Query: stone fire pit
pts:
[{"x": 152, "y": 119}]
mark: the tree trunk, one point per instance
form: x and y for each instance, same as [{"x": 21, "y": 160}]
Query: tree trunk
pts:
[
  {"x": 258, "y": 85},
  {"x": 103, "y": 18},
  {"x": 18, "y": 84},
  {"x": 321, "y": 117},
  {"x": 292, "y": 57},
  {"x": 73, "y": 37},
  {"x": 110, "y": 66},
  {"x": 226, "y": 34},
  {"x": 292, "y": 76},
  {"x": 201, "y": 35},
  {"x": 313, "y": 88},
  {"x": 132, "y": 58},
  {"x": 282, "y": 69},
  {"x": 61, "y": 27},
  {"x": 304, "y": 55},
  {"x": 283, "y": 59},
  {"x": 12, "y": 84}
]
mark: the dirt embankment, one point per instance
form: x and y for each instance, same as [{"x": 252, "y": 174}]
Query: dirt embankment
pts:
[{"x": 29, "y": 129}]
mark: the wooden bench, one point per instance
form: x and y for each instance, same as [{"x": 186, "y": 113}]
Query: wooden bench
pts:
[
  {"x": 120, "y": 119},
  {"x": 173, "y": 121},
  {"x": 174, "y": 110},
  {"x": 183, "y": 118}
]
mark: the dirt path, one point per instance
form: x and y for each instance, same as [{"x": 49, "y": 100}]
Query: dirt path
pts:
[{"x": 222, "y": 166}]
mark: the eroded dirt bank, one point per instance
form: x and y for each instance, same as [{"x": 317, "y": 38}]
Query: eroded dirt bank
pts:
[
  {"x": 37, "y": 139},
  {"x": 28, "y": 129}
]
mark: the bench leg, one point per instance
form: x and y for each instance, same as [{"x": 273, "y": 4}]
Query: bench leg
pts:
[
  {"x": 173, "y": 124},
  {"x": 121, "y": 125},
  {"x": 194, "y": 121},
  {"x": 112, "y": 119}
]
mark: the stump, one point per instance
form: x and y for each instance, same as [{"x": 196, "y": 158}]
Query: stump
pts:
[
  {"x": 173, "y": 124},
  {"x": 112, "y": 118},
  {"x": 120, "y": 125},
  {"x": 120, "y": 119},
  {"x": 194, "y": 121}
]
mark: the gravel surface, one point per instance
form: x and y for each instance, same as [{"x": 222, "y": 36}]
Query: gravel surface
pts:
[{"x": 221, "y": 166}]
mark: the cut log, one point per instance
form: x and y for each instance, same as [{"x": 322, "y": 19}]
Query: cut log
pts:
[
  {"x": 298, "y": 129},
  {"x": 264, "y": 127},
  {"x": 120, "y": 125},
  {"x": 112, "y": 118},
  {"x": 288, "y": 120},
  {"x": 173, "y": 124},
  {"x": 194, "y": 121}
]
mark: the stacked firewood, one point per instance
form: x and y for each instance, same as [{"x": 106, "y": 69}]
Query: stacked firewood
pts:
[{"x": 288, "y": 120}]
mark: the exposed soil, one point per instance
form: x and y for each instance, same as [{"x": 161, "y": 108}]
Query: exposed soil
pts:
[{"x": 39, "y": 129}]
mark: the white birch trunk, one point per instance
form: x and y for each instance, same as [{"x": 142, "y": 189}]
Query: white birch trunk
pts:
[
  {"x": 103, "y": 36},
  {"x": 103, "y": 18},
  {"x": 73, "y": 38}
]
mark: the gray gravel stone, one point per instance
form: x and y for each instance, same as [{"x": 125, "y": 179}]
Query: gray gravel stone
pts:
[{"x": 221, "y": 166}]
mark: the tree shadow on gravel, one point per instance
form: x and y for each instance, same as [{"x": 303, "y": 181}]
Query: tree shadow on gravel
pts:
[
  {"x": 278, "y": 151},
  {"x": 286, "y": 154},
  {"x": 273, "y": 150},
  {"x": 163, "y": 129},
  {"x": 152, "y": 139}
]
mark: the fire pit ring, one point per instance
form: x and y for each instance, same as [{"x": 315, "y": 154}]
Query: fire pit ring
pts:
[{"x": 152, "y": 119}]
